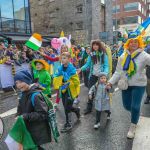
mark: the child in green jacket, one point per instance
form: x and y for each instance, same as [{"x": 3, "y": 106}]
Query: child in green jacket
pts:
[{"x": 42, "y": 76}]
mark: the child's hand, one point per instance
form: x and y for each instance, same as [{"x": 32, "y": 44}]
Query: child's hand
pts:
[
  {"x": 108, "y": 86},
  {"x": 79, "y": 71},
  {"x": 42, "y": 53},
  {"x": 90, "y": 97}
]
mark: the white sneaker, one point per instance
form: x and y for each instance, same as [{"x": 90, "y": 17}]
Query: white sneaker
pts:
[
  {"x": 108, "y": 118},
  {"x": 131, "y": 132},
  {"x": 96, "y": 126},
  {"x": 56, "y": 106}
]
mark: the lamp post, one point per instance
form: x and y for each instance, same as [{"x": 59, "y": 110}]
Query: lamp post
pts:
[{"x": 116, "y": 19}]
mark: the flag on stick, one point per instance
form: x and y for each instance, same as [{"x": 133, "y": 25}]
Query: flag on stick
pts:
[
  {"x": 34, "y": 42},
  {"x": 19, "y": 138}
]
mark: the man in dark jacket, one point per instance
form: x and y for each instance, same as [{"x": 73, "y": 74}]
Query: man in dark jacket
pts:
[{"x": 35, "y": 117}]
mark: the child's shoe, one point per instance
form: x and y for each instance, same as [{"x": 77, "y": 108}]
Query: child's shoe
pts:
[
  {"x": 67, "y": 127},
  {"x": 55, "y": 106},
  {"x": 108, "y": 117},
  {"x": 97, "y": 125}
]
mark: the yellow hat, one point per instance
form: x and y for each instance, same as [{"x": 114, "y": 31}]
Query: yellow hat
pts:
[
  {"x": 43, "y": 62},
  {"x": 140, "y": 41}
]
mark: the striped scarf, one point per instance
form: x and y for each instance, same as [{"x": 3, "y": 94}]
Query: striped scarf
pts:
[{"x": 129, "y": 64}]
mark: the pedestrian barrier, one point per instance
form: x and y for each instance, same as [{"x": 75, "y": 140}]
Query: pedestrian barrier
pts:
[{"x": 6, "y": 77}]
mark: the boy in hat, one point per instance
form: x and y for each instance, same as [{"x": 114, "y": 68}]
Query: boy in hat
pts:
[
  {"x": 35, "y": 117},
  {"x": 42, "y": 76},
  {"x": 102, "y": 99}
]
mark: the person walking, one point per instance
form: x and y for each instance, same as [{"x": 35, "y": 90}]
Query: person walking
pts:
[{"x": 130, "y": 75}]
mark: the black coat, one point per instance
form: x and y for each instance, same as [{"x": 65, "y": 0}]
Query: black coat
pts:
[
  {"x": 35, "y": 117},
  {"x": 148, "y": 67}
]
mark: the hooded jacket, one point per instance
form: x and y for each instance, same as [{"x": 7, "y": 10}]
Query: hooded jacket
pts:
[{"x": 35, "y": 117}]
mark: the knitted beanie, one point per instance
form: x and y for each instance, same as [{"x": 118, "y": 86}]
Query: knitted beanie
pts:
[{"x": 24, "y": 76}]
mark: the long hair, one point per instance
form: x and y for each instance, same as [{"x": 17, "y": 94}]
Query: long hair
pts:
[{"x": 101, "y": 49}]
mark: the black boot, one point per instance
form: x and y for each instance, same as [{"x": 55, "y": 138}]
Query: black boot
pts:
[
  {"x": 89, "y": 107},
  {"x": 67, "y": 127},
  {"x": 147, "y": 101}
]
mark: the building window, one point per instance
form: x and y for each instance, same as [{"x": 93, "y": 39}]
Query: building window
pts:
[
  {"x": 79, "y": 8},
  {"x": 6, "y": 9},
  {"x": 131, "y": 6},
  {"x": 19, "y": 10},
  {"x": 130, "y": 20},
  {"x": 15, "y": 16},
  {"x": 116, "y": 22},
  {"x": 116, "y": 9},
  {"x": 79, "y": 25}
]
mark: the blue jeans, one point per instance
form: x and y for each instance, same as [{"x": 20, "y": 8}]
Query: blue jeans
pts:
[{"x": 132, "y": 98}]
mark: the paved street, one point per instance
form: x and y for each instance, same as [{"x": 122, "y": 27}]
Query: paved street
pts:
[{"x": 110, "y": 136}]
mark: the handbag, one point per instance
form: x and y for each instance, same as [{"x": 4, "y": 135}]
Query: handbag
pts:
[{"x": 123, "y": 83}]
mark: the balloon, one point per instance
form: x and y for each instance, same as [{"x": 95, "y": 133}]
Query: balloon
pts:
[
  {"x": 65, "y": 41},
  {"x": 56, "y": 43}
]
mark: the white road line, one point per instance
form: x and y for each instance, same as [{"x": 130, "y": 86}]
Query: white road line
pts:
[
  {"x": 142, "y": 136},
  {"x": 14, "y": 110}
]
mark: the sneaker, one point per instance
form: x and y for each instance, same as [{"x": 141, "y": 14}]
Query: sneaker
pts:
[
  {"x": 67, "y": 127},
  {"x": 131, "y": 132},
  {"x": 108, "y": 118},
  {"x": 97, "y": 125},
  {"x": 55, "y": 106}
]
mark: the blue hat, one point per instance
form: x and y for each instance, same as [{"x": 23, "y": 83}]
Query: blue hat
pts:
[{"x": 24, "y": 76}]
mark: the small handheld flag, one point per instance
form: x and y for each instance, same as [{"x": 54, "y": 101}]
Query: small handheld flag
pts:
[{"x": 34, "y": 42}]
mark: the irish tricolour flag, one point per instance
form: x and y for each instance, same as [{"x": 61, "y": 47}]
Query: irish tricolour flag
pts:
[
  {"x": 34, "y": 42},
  {"x": 19, "y": 138}
]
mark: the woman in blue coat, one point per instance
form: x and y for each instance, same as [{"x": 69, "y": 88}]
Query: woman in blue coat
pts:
[{"x": 97, "y": 61}]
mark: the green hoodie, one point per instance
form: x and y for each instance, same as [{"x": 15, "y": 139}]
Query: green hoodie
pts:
[{"x": 44, "y": 79}]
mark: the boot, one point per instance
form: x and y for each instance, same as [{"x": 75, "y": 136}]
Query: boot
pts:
[
  {"x": 131, "y": 132},
  {"x": 67, "y": 127},
  {"x": 147, "y": 101},
  {"x": 89, "y": 107}
]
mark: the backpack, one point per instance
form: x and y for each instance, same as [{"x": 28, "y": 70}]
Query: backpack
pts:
[{"x": 51, "y": 114}]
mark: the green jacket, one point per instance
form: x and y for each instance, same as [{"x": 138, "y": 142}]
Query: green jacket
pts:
[{"x": 44, "y": 79}]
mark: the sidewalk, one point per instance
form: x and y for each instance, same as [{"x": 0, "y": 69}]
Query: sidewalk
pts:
[{"x": 142, "y": 136}]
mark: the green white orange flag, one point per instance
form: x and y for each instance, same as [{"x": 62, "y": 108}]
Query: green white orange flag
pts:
[
  {"x": 19, "y": 138},
  {"x": 34, "y": 42}
]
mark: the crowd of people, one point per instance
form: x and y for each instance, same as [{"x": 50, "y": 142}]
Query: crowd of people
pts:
[{"x": 64, "y": 71}]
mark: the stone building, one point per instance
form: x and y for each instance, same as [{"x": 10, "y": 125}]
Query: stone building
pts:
[{"x": 83, "y": 19}]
